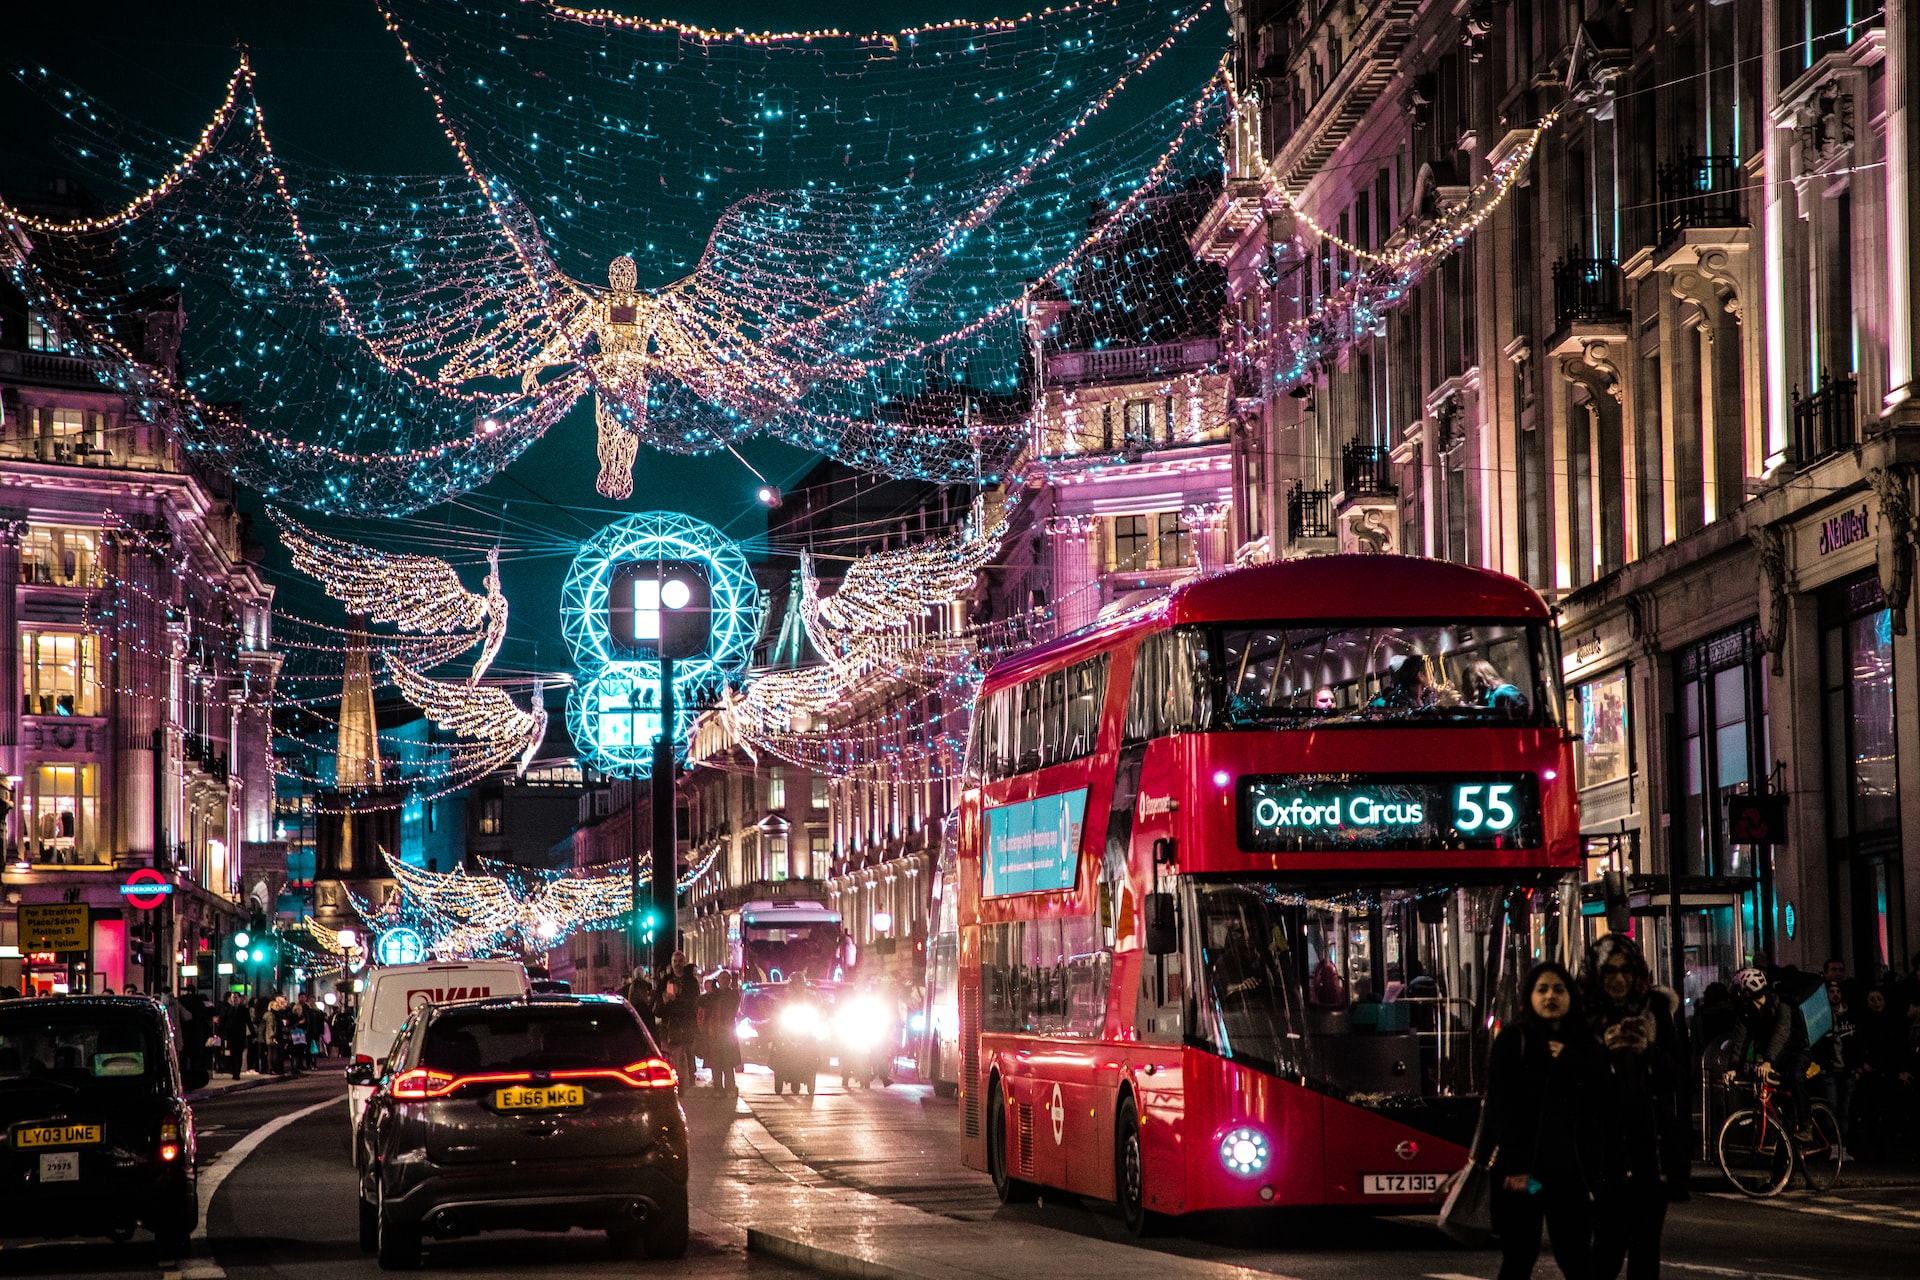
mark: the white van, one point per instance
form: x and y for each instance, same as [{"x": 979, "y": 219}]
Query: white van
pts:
[{"x": 397, "y": 990}]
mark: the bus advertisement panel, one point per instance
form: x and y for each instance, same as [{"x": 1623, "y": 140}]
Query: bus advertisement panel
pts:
[{"x": 1246, "y": 881}]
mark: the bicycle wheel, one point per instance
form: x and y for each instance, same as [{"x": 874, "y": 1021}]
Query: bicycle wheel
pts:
[
  {"x": 1820, "y": 1159},
  {"x": 1754, "y": 1153}
]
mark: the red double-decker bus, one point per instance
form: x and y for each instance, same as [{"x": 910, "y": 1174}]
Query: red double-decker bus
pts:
[{"x": 1247, "y": 880}]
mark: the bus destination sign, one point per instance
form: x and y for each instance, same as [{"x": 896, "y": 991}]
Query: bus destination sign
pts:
[
  {"x": 1033, "y": 846},
  {"x": 1320, "y": 812}
]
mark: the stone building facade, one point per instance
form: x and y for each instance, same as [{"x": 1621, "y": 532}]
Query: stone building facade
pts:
[
  {"x": 135, "y": 671},
  {"x": 1668, "y": 381}
]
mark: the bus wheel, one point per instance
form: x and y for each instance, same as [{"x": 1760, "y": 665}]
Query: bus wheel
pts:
[
  {"x": 1129, "y": 1172},
  {"x": 1011, "y": 1190}
]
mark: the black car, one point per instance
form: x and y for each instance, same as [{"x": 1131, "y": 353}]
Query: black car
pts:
[
  {"x": 99, "y": 1137},
  {"x": 536, "y": 1113}
]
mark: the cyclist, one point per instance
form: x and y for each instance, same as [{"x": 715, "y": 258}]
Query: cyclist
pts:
[{"x": 1772, "y": 1029}]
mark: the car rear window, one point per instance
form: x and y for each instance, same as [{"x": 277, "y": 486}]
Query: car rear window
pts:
[
  {"x": 468, "y": 1043},
  {"x": 78, "y": 1047}
]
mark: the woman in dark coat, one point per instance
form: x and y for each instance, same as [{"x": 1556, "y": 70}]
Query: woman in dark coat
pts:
[
  {"x": 1646, "y": 1158},
  {"x": 1539, "y": 1130}
]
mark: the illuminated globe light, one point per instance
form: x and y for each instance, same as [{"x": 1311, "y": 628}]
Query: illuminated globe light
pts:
[
  {"x": 400, "y": 945},
  {"x": 1244, "y": 1151},
  {"x": 882, "y": 922},
  {"x": 547, "y": 930},
  {"x": 613, "y": 709}
]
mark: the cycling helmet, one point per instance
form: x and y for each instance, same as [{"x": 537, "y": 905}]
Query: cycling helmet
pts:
[{"x": 1751, "y": 981}]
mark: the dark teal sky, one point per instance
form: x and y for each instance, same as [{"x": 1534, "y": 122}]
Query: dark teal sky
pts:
[{"x": 337, "y": 92}]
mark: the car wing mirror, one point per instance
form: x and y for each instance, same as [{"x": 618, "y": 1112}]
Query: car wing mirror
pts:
[{"x": 360, "y": 1073}]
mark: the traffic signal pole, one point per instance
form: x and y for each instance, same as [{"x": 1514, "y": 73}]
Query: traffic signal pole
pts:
[{"x": 666, "y": 906}]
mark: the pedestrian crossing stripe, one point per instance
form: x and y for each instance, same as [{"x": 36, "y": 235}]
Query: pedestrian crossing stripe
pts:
[{"x": 1849, "y": 1214}]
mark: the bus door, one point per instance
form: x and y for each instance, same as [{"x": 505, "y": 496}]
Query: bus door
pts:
[{"x": 1160, "y": 987}]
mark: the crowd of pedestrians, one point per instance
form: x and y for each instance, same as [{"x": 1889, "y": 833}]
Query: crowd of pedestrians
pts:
[
  {"x": 1587, "y": 1123},
  {"x": 272, "y": 1035},
  {"x": 692, "y": 1019}
]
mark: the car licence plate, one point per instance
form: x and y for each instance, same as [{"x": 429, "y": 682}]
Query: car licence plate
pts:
[
  {"x": 56, "y": 1135},
  {"x": 550, "y": 1098},
  {"x": 59, "y": 1166},
  {"x": 1401, "y": 1184}
]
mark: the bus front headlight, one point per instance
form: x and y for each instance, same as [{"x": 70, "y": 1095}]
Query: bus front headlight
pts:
[{"x": 1245, "y": 1151}]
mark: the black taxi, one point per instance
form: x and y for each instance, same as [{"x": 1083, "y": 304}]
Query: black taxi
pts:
[
  {"x": 99, "y": 1137},
  {"x": 539, "y": 1112}
]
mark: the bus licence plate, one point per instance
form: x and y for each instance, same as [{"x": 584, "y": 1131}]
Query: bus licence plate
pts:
[
  {"x": 1401, "y": 1184},
  {"x": 550, "y": 1098},
  {"x": 57, "y": 1135}
]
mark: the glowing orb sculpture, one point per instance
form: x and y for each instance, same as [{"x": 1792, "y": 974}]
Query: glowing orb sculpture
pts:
[{"x": 614, "y": 709}]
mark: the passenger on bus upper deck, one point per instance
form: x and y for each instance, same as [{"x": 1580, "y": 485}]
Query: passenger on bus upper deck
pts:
[{"x": 1488, "y": 688}]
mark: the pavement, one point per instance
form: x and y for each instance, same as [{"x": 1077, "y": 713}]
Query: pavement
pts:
[{"x": 864, "y": 1184}]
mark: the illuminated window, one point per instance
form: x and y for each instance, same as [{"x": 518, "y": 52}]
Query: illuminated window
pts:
[
  {"x": 53, "y": 555},
  {"x": 41, "y": 335},
  {"x": 60, "y": 814},
  {"x": 775, "y": 848},
  {"x": 776, "y": 788},
  {"x": 490, "y": 821},
  {"x": 59, "y": 674},
  {"x": 1139, "y": 423},
  {"x": 819, "y": 791},
  {"x": 820, "y": 851}
]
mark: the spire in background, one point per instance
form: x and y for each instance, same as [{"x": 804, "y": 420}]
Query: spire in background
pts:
[{"x": 357, "y": 763}]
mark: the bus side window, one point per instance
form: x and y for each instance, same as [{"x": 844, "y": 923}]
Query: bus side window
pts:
[
  {"x": 1146, "y": 696},
  {"x": 1027, "y": 756},
  {"x": 1155, "y": 1021},
  {"x": 1086, "y": 695},
  {"x": 1053, "y": 719}
]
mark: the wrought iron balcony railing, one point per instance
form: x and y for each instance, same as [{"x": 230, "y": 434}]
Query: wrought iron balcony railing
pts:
[
  {"x": 1700, "y": 191},
  {"x": 1586, "y": 289},
  {"x": 1826, "y": 421},
  {"x": 1309, "y": 512},
  {"x": 1365, "y": 469}
]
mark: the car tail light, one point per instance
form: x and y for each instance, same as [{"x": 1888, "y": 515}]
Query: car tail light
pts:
[
  {"x": 170, "y": 1130},
  {"x": 424, "y": 1082},
  {"x": 362, "y": 1059},
  {"x": 649, "y": 1073}
]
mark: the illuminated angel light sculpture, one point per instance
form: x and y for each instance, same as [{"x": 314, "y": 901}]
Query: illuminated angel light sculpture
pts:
[
  {"x": 485, "y": 713},
  {"x": 414, "y": 593}
]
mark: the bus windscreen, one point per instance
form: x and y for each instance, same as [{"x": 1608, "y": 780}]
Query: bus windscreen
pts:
[{"x": 1369, "y": 673}]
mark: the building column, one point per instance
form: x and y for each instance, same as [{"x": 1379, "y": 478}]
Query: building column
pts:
[
  {"x": 10, "y": 651},
  {"x": 1901, "y": 169}
]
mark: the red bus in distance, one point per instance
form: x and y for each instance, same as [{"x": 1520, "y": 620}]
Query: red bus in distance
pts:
[{"x": 1247, "y": 879}]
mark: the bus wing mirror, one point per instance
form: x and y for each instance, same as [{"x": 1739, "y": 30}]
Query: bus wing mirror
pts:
[{"x": 1163, "y": 927}]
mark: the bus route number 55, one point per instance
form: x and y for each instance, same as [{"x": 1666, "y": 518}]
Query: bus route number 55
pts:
[{"x": 1470, "y": 813}]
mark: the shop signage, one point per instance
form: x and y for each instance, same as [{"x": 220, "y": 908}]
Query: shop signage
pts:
[
  {"x": 1843, "y": 530},
  {"x": 55, "y": 926},
  {"x": 1757, "y": 819},
  {"x": 146, "y": 889}
]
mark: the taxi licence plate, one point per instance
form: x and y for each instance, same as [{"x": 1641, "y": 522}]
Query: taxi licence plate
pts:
[
  {"x": 1401, "y": 1184},
  {"x": 57, "y": 1135},
  {"x": 550, "y": 1098}
]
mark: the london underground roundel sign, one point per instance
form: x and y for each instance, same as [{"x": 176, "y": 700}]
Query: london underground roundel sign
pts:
[
  {"x": 146, "y": 889},
  {"x": 400, "y": 945}
]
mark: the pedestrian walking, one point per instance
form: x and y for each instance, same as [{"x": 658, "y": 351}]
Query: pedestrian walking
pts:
[
  {"x": 1838, "y": 1057},
  {"x": 1539, "y": 1133},
  {"x": 1645, "y": 1156},
  {"x": 236, "y": 1032},
  {"x": 723, "y": 1046}
]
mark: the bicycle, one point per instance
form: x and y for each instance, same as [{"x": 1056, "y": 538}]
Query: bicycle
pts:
[{"x": 1757, "y": 1151}]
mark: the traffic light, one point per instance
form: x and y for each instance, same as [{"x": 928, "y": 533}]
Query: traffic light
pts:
[{"x": 139, "y": 942}]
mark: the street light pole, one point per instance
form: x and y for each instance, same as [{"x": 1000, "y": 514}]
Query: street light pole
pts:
[{"x": 666, "y": 906}]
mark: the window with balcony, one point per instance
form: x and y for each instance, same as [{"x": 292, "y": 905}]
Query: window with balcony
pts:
[
  {"x": 60, "y": 815},
  {"x": 55, "y": 555},
  {"x": 1139, "y": 423},
  {"x": 41, "y": 333},
  {"x": 774, "y": 861},
  {"x": 59, "y": 674},
  {"x": 820, "y": 853}
]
